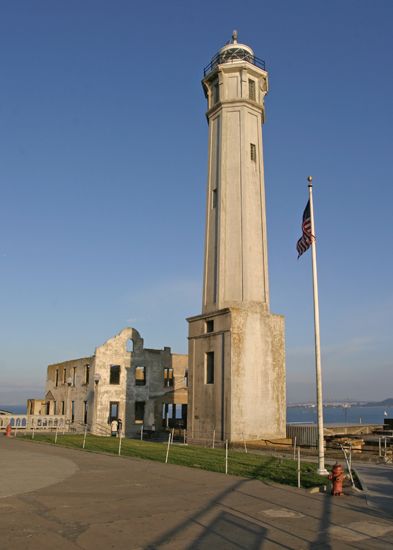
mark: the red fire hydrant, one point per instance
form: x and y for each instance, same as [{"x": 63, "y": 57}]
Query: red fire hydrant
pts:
[
  {"x": 8, "y": 431},
  {"x": 337, "y": 477}
]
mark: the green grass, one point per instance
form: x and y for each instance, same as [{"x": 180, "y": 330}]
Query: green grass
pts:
[{"x": 255, "y": 466}]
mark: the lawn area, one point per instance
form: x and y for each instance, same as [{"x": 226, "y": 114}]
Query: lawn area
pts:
[{"x": 279, "y": 470}]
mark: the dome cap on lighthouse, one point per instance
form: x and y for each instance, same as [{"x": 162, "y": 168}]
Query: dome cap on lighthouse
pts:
[{"x": 234, "y": 52}]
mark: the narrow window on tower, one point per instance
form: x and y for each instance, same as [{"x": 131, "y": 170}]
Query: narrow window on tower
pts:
[
  {"x": 209, "y": 325},
  {"x": 214, "y": 198},
  {"x": 216, "y": 93},
  {"x": 57, "y": 378},
  {"x": 251, "y": 89},
  {"x": 253, "y": 152},
  {"x": 209, "y": 360}
]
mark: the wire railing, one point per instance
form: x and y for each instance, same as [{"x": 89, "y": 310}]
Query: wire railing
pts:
[{"x": 234, "y": 56}]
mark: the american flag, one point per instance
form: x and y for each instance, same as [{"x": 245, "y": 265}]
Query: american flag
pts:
[{"x": 306, "y": 239}]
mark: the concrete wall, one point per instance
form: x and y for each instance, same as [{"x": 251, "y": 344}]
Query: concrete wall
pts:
[{"x": 71, "y": 386}]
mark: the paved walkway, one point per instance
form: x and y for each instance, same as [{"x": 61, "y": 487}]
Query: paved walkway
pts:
[
  {"x": 378, "y": 482},
  {"x": 91, "y": 501}
]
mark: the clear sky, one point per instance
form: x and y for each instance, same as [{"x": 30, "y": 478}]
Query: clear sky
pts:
[{"x": 103, "y": 163}]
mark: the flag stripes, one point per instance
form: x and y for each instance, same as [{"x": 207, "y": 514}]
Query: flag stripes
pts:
[{"x": 306, "y": 239}]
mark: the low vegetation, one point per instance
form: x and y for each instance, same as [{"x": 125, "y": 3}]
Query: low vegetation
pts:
[{"x": 268, "y": 468}]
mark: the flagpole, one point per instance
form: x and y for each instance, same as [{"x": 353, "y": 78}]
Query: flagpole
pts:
[{"x": 321, "y": 450}]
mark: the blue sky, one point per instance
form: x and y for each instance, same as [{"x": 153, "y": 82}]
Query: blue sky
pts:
[{"x": 103, "y": 155}]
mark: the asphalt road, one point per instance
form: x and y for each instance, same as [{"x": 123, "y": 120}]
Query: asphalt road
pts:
[{"x": 57, "y": 498}]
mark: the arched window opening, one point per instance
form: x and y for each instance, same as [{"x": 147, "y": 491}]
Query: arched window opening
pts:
[{"x": 130, "y": 345}]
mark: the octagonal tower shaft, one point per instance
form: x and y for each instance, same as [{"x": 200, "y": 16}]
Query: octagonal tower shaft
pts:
[{"x": 236, "y": 266}]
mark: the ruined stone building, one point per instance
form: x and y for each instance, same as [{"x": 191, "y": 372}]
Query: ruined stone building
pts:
[{"x": 122, "y": 380}]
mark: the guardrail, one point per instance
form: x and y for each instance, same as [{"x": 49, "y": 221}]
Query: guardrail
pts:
[{"x": 33, "y": 421}]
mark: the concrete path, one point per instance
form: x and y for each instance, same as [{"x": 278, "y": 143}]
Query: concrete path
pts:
[
  {"x": 378, "y": 483},
  {"x": 108, "y": 502}
]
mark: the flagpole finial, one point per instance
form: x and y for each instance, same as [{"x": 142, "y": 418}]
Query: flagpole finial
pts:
[{"x": 309, "y": 179}]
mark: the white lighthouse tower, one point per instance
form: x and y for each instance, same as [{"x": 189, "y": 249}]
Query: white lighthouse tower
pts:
[{"x": 236, "y": 346}]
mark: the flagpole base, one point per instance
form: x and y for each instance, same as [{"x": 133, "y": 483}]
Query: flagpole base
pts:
[{"x": 322, "y": 472}]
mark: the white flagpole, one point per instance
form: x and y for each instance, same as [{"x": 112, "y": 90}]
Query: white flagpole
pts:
[{"x": 321, "y": 450}]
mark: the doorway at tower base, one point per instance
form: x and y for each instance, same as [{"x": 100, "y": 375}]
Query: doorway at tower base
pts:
[{"x": 236, "y": 375}]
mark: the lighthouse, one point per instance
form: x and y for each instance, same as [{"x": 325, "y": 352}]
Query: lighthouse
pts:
[{"x": 236, "y": 345}]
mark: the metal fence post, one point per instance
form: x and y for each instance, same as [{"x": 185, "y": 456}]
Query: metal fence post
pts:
[
  {"x": 167, "y": 449},
  {"x": 226, "y": 456},
  {"x": 298, "y": 468},
  {"x": 84, "y": 437}
]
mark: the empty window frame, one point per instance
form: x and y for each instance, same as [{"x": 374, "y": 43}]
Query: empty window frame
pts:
[
  {"x": 251, "y": 89},
  {"x": 85, "y": 412},
  {"x": 140, "y": 376},
  {"x": 113, "y": 410},
  {"x": 209, "y": 326},
  {"x": 74, "y": 376},
  {"x": 209, "y": 366},
  {"x": 87, "y": 374},
  {"x": 130, "y": 345},
  {"x": 54, "y": 407},
  {"x": 57, "y": 377},
  {"x": 72, "y": 411},
  {"x": 139, "y": 412},
  {"x": 64, "y": 375},
  {"x": 62, "y": 407},
  {"x": 253, "y": 152},
  {"x": 168, "y": 377},
  {"x": 114, "y": 374},
  {"x": 47, "y": 407}
]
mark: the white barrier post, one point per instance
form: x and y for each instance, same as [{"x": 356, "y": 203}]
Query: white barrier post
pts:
[
  {"x": 84, "y": 437},
  {"x": 142, "y": 433},
  {"x": 184, "y": 436},
  {"x": 384, "y": 453},
  {"x": 56, "y": 435},
  {"x": 379, "y": 448},
  {"x": 294, "y": 448},
  {"x": 173, "y": 434},
  {"x": 15, "y": 429},
  {"x": 214, "y": 437},
  {"x": 244, "y": 443},
  {"x": 226, "y": 456},
  {"x": 120, "y": 438},
  {"x": 32, "y": 435},
  {"x": 298, "y": 467},
  {"x": 167, "y": 449}
]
